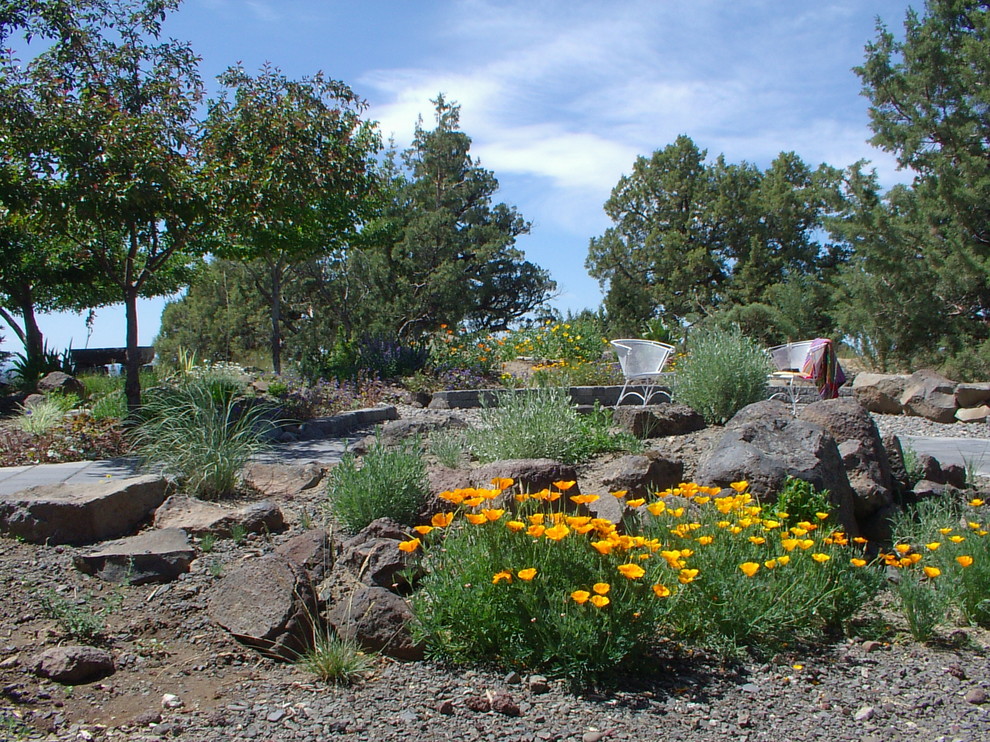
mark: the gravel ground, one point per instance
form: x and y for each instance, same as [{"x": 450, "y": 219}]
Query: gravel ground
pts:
[{"x": 876, "y": 684}]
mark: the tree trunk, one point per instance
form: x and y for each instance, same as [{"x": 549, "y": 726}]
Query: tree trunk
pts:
[
  {"x": 34, "y": 343},
  {"x": 132, "y": 379},
  {"x": 276, "y": 270}
]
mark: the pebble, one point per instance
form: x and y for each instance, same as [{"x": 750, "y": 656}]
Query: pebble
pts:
[
  {"x": 593, "y": 736},
  {"x": 976, "y": 696},
  {"x": 866, "y": 713}
]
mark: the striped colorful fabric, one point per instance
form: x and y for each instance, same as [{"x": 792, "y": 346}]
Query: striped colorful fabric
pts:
[{"x": 822, "y": 366}]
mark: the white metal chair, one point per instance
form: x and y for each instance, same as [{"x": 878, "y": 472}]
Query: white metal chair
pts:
[
  {"x": 642, "y": 363},
  {"x": 789, "y": 360}
]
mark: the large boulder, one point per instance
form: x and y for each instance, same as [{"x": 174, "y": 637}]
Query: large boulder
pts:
[
  {"x": 153, "y": 556},
  {"x": 58, "y": 381},
  {"x": 863, "y": 454},
  {"x": 71, "y": 665},
  {"x": 198, "y": 517},
  {"x": 659, "y": 420},
  {"x": 930, "y": 395},
  {"x": 282, "y": 480},
  {"x": 880, "y": 393},
  {"x": 763, "y": 445},
  {"x": 81, "y": 514},
  {"x": 973, "y": 394},
  {"x": 266, "y": 603},
  {"x": 378, "y": 620},
  {"x": 643, "y": 474},
  {"x": 311, "y": 551}
]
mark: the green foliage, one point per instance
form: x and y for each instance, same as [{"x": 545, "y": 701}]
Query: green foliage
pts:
[
  {"x": 923, "y": 604},
  {"x": 564, "y": 374},
  {"x": 40, "y": 417},
  {"x": 546, "y": 589},
  {"x": 951, "y": 537},
  {"x": 802, "y": 502},
  {"x": 574, "y": 341},
  {"x": 110, "y": 406},
  {"x": 449, "y": 447},
  {"x": 691, "y": 236},
  {"x": 238, "y": 534},
  {"x": 543, "y": 423},
  {"x": 390, "y": 482},
  {"x": 723, "y": 372},
  {"x": 207, "y": 542},
  {"x": 199, "y": 431},
  {"x": 77, "y": 618},
  {"x": 334, "y": 660},
  {"x": 28, "y": 370}
]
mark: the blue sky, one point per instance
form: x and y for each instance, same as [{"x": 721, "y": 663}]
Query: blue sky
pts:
[{"x": 561, "y": 97}]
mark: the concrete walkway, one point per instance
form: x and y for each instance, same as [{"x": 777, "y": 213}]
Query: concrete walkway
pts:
[{"x": 973, "y": 453}]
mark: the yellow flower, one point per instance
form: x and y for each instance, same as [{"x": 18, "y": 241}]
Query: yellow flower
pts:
[
  {"x": 749, "y": 568},
  {"x": 945, "y": 531},
  {"x": 902, "y": 548},
  {"x": 526, "y": 574},
  {"x": 976, "y": 502},
  {"x": 657, "y": 507},
  {"x": 492, "y": 514},
  {"x": 631, "y": 571},
  {"x": 475, "y": 519},
  {"x": 705, "y": 540},
  {"x": 957, "y": 539},
  {"x": 557, "y": 532},
  {"x": 661, "y": 591},
  {"x": 740, "y": 487},
  {"x": 636, "y": 503},
  {"x": 580, "y": 596},
  {"x": 857, "y": 562},
  {"x": 502, "y": 483},
  {"x": 536, "y": 519},
  {"x": 687, "y": 575},
  {"x": 933, "y": 545},
  {"x": 789, "y": 543},
  {"x": 859, "y": 540},
  {"x": 806, "y": 544},
  {"x": 454, "y": 496},
  {"x": 423, "y": 530},
  {"x": 515, "y": 525},
  {"x": 603, "y": 547},
  {"x": 964, "y": 560},
  {"x": 599, "y": 601},
  {"x": 601, "y": 588},
  {"x": 821, "y": 516},
  {"x": 757, "y": 540},
  {"x": 821, "y": 558},
  {"x": 473, "y": 502},
  {"x": 770, "y": 563},
  {"x": 500, "y": 576},
  {"x": 536, "y": 531},
  {"x": 619, "y": 494},
  {"x": 564, "y": 486},
  {"x": 409, "y": 546},
  {"x": 442, "y": 520},
  {"x": 932, "y": 572},
  {"x": 583, "y": 499}
]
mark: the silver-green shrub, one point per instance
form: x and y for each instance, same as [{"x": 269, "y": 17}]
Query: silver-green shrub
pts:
[{"x": 724, "y": 371}]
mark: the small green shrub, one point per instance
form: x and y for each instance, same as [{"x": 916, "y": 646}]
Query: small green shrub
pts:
[
  {"x": 801, "y": 501},
  {"x": 40, "y": 417},
  {"x": 110, "y": 406},
  {"x": 198, "y": 431},
  {"x": 723, "y": 372},
  {"x": 390, "y": 482},
  {"x": 448, "y": 446},
  {"x": 543, "y": 423},
  {"x": 334, "y": 659},
  {"x": 78, "y": 620}
]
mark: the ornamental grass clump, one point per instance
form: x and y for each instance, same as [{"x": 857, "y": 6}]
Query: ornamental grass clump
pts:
[
  {"x": 723, "y": 372},
  {"x": 200, "y": 431},
  {"x": 544, "y": 585},
  {"x": 942, "y": 553},
  {"x": 544, "y": 423},
  {"x": 390, "y": 482}
]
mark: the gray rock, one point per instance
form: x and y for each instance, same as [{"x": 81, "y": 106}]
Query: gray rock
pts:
[
  {"x": 378, "y": 620},
  {"x": 880, "y": 392},
  {"x": 198, "y": 517},
  {"x": 311, "y": 551},
  {"x": 378, "y": 561},
  {"x": 153, "y": 556},
  {"x": 973, "y": 394},
  {"x": 658, "y": 421},
  {"x": 764, "y": 445},
  {"x": 74, "y": 664},
  {"x": 895, "y": 457},
  {"x": 266, "y": 603},
  {"x": 973, "y": 414},
  {"x": 281, "y": 480},
  {"x": 58, "y": 381},
  {"x": 930, "y": 395},
  {"x": 81, "y": 514},
  {"x": 861, "y": 448},
  {"x": 643, "y": 474}
]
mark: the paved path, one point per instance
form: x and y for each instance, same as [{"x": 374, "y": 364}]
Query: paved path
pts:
[{"x": 973, "y": 453}]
